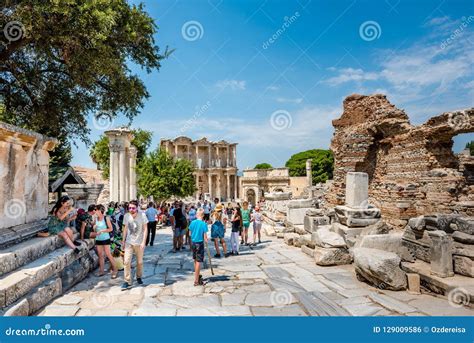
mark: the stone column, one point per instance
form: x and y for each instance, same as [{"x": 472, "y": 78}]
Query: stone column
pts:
[
  {"x": 234, "y": 156},
  {"x": 228, "y": 187},
  {"x": 236, "y": 187},
  {"x": 210, "y": 154},
  {"x": 441, "y": 256},
  {"x": 357, "y": 189},
  {"x": 218, "y": 160},
  {"x": 219, "y": 186},
  {"x": 228, "y": 161},
  {"x": 133, "y": 173},
  {"x": 197, "y": 157},
  {"x": 176, "y": 150},
  {"x": 309, "y": 174},
  {"x": 197, "y": 185},
  {"x": 210, "y": 184},
  {"x": 113, "y": 171},
  {"x": 123, "y": 175}
]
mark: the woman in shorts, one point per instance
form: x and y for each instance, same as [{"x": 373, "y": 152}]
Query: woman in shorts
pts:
[
  {"x": 103, "y": 226},
  {"x": 218, "y": 230}
]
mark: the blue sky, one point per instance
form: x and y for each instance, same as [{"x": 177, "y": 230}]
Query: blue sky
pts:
[{"x": 272, "y": 75}]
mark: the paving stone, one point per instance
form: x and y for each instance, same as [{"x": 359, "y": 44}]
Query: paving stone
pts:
[
  {"x": 275, "y": 272},
  {"x": 285, "y": 284},
  {"x": 111, "y": 313},
  {"x": 60, "y": 311},
  {"x": 353, "y": 301},
  {"x": 367, "y": 309},
  {"x": 186, "y": 289},
  {"x": 310, "y": 284},
  {"x": 230, "y": 310},
  {"x": 317, "y": 304},
  {"x": 195, "y": 312},
  {"x": 68, "y": 300},
  {"x": 392, "y": 304},
  {"x": 233, "y": 299},
  {"x": 252, "y": 275},
  {"x": 293, "y": 310},
  {"x": 439, "y": 307},
  {"x": 202, "y": 301},
  {"x": 275, "y": 298},
  {"x": 148, "y": 312}
]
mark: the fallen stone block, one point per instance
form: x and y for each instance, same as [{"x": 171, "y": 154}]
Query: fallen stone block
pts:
[
  {"x": 441, "y": 257},
  {"x": 379, "y": 268},
  {"x": 270, "y": 231},
  {"x": 413, "y": 280},
  {"x": 325, "y": 238},
  {"x": 463, "y": 265},
  {"x": 462, "y": 237},
  {"x": 289, "y": 238},
  {"x": 331, "y": 256},
  {"x": 389, "y": 242},
  {"x": 306, "y": 240},
  {"x": 307, "y": 250},
  {"x": 464, "y": 224}
]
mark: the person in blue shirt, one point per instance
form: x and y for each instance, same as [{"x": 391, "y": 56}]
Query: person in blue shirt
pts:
[
  {"x": 151, "y": 214},
  {"x": 198, "y": 229}
]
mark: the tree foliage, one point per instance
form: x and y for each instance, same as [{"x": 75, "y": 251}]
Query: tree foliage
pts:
[
  {"x": 470, "y": 146},
  {"x": 162, "y": 177},
  {"x": 322, "y": 164},
  {"x": 263, "y": 166},
  {"x": 100, "y": 152},
  {"x": 61, "y": 61}
]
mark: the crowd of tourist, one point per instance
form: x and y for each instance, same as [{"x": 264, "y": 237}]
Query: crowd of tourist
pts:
[{"x": 123, "y": 230}]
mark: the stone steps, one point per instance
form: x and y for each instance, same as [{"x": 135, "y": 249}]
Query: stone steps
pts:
[
  {"x": 50, "y": 273},
  {"x": 20, "y": 233},
  {"x": 25, "y": 252},
  {"x": 461, "y": 286}
]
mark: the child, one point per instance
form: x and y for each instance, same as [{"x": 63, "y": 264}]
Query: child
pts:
[
  {"x": 257, "y": 225},
  {"x": 198, "y": 229},
  {"x": 245, "y": 223},
  {"x": 236, "y": 228},
  {"x": 218, "y": 231}
]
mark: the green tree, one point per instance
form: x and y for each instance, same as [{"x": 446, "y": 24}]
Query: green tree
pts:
[
  {"x": 470, "y": 146},
  {"x": 61, "y": 61},
  {"x": 162, "y": 177},
  {"x": 100, "y": 152},
  {"x": 322, "y": 164},
  {"x": 263, "y": 166}
]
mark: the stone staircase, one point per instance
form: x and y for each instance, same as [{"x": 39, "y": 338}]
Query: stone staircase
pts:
[{"x": 36, "y": 270}]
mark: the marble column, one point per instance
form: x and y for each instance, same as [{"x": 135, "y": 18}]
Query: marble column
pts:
[
  {"x": 133, "y": 173},
  {"x": 309, "y": 173},
  {"x": 123, "y": 175},
  {"x": 210, "y": 155},
  {"x": 236, "y": 187},
  {"x": 197, "y": 157},
  {"x": 218, "y": 160},
  {"x": 219, "y": 186},
  {"x": 176, "y": 150},
  {"x": 210, "y": 184},
  {"x": 113, "y": 179},
  {"x": 228, "y": 161},
  {"x": 116, "y": 176},
  {"x": 228, "y": 187},
  {"x": 197, "y": 185}
]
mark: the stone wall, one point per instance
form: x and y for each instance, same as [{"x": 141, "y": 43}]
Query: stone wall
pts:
[
  {"x": 412, "y": 169},
  {"x": 24, "y": 163}
]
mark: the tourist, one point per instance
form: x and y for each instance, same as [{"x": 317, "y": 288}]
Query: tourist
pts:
[
  {"x": 179, "y": 224},
  {"x": 236, "y": 229},
  {"x": 229, "y": 211},
  {"x": 61, "y": 214},
  {"x": 198, "y": 230},
  {"x": 86, "y": 222},
  {"x": 187, "y": 239},
  {"x": 134, "y": 241},
  {"x": 207, "y": 211},
  {"x": 257, "y": 225},
  {"x": 151, "y": 214},
  {"x": 245, "y": 223},
  {"x": 103, "y": 227},
  {"x": 218, "y": 230}
]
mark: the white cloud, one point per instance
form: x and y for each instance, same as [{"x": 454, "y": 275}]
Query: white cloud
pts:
[
  {"x": 351, "y": 74},
  {"x": 232, "y": 84},
  {"x": 290, "y": 100}
]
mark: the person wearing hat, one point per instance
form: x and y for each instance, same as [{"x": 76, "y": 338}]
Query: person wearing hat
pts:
[{"x": 218, "y": 230}]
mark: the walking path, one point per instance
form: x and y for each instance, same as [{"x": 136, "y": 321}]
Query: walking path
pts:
[{"x": 271, "y": 279}]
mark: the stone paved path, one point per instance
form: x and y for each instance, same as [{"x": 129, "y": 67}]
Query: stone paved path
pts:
[{"x": 272, "y": 279}]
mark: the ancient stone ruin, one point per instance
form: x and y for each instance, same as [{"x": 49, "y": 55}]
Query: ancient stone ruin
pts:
[
  {"x": 400, "y": 207},
  {"x": 33, "y": 270}
]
